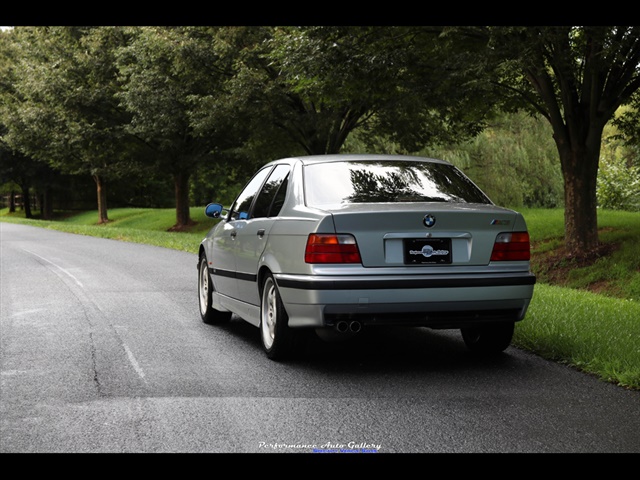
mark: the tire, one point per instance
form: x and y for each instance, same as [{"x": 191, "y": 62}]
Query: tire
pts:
[
  {"x": 209, "y": 315},
  {"x": 488, "y": 339},
  {"x": 278, "y": 340}
]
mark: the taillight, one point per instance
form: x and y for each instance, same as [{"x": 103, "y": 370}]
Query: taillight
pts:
[
  {"x": 330, "y": 248},
  {"x": 511, "y": 246}
]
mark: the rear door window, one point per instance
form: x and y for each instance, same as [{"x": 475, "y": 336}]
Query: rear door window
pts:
[
  {"x": 271, "y": 196},
  {"x": 241, "y": 207}
]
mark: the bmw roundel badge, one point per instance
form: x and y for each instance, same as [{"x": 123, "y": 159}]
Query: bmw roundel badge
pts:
[{"x": 429, "y": 221}]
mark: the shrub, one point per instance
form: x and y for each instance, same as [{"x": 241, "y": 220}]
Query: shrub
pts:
[{"x": 618, "y": 185}]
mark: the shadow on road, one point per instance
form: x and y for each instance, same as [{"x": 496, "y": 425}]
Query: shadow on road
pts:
[{"x": 375, "y": 348}]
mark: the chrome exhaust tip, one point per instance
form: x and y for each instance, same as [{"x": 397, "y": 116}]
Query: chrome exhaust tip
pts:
[{"x": 342, "y": 327}]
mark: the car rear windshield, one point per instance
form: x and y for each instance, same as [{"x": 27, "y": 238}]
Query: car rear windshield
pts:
[{"x": 335, "y": 183}]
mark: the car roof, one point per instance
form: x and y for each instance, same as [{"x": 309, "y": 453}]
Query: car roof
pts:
[{"x": 313, "y": 159}]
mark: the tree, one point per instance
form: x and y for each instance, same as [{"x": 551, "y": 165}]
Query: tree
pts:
[
  {"x": 28, "y": 173},
  {"x": 619, "y": 173},
  {"x": 15, "y": 167},
  {"x": 627, "y": 122},
  {"x": 168, "y": 75},
  {"x": 312, "y": 87},
  {"x": 63, "y": 110},
  {"x": 576, "y": 78}
]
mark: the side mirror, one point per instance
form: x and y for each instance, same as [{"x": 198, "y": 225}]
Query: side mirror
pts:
[{"x": 214, "y": 210}]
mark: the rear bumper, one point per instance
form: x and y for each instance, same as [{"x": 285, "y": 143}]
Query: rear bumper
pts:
[{"x": 442, "y": 301}]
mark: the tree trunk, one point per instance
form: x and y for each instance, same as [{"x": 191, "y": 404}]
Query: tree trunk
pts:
[
  {"x": 580, "y": 172},
  {"x": 12, "y": 202},
  {"x": 183, "y": 216},
  {"x": 101, "y": 188},
  {"x": 46, "y": 204},
  {"x": 26, "y": 202}
]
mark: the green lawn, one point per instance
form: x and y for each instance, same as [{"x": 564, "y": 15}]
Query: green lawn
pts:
[
  {"x": 139, "y": 225},
  {"x": 616, "y": 274},
  {"x": 598, "y": 333}
]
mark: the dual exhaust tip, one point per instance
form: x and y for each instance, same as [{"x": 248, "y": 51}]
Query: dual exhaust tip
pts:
[{"x": 344, "y": 327}]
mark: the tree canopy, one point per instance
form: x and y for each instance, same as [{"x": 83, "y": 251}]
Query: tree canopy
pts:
[{"x": 63, "y": 110}]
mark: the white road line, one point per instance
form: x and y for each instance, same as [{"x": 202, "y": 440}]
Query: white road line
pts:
[
  {"x": 27, "y": 312},
  {"x": 134, "y": 362},
  {"x": 132, "y": 359},
  {"x": 63, "y": 270}
]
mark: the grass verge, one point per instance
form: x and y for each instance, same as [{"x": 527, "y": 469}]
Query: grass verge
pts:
[
  {"x": 585, "y": 312},
  {"x": 138, "y": 225},
  {"x": 591, "y": 332},
  {"x": 613, "y": 269}
]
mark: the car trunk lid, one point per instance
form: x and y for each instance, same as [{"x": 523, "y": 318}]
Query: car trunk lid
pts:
[{"x": 424, "y": 234}]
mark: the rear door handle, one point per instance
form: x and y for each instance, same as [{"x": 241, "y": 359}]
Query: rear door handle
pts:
[
  {"x": 261, "y": 232},
  {"x": 233, "y": 234}
]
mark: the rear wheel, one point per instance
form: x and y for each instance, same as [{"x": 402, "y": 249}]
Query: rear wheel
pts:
[
  {"x": 209, "y": 315},
  {"x": 278, "y": 340},
  {"x": 488, "y": 339}
]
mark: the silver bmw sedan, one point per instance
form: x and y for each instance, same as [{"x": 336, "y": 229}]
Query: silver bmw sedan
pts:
[{"x": 340, "y": 243}]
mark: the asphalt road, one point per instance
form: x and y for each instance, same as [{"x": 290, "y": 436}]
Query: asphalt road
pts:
[{"x": 102, "y": 350}]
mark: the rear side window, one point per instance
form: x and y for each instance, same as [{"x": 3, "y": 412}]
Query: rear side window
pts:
[
  {"x": 335, "y": 183},
  {"x": 271, "y": 196}
]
